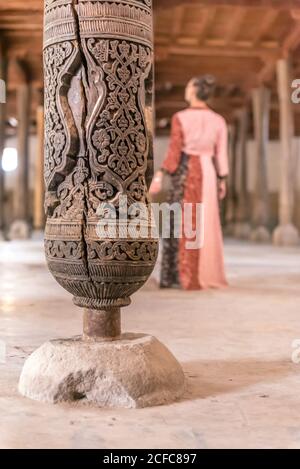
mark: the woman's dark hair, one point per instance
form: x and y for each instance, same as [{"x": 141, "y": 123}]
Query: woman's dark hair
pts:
[{"x": 205, "y": 87}]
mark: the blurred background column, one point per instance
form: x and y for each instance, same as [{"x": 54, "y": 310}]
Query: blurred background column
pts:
[
  {"x": 3, "y": 75},
  {"x": 242, "y": 226},
  {"x": 286, "y": 234},
  {"x": 38, "y": 210},
  {"x": 20, "y": 228},
  {"x": 231, "y": 197},
  {"x": 261, "y": 98}
]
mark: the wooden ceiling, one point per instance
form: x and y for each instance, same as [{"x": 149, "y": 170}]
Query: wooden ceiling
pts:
[{"x": 238, "y": 41}]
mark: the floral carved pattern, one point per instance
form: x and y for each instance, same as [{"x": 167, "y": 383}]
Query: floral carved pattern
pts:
[
  {"x": 121, "y": 251},
  {"x": 55, "y": 58},
  {"x": 119, "y": 137},
  {"x": 61, "y": 250}
]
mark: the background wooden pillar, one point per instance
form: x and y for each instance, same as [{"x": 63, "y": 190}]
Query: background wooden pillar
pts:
[
  {"x": 261, "y": 98},
  {"x": 231, "y": 199},
  {"x": 3, "y": 68},
  {"x": 39, "y": 214},
  {"x": 21, "y": 194},
  {"x": 242, "y": 227},
  {"x": 286, "y": 233},
  {"x": 20, "y": 228}
]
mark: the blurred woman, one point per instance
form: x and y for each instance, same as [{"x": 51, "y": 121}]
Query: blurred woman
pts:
[{"x": 197, "y": 162}]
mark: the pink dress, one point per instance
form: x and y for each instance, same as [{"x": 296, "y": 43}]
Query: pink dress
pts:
[{"x": 201, "y": 135}]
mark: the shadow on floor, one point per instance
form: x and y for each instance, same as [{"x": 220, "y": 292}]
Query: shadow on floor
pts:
[{"x": 216, "y": 377}]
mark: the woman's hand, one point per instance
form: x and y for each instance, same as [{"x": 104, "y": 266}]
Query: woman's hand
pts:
[
  {"x": 222, "y": 189},
  {"x": 156, "y": 185}
]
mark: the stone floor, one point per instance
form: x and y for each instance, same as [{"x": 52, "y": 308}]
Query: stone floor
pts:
[{"x": 243, "y": 389}]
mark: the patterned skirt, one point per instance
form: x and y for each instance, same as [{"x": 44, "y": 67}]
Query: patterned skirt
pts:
[{"x": 179, "y": 266}]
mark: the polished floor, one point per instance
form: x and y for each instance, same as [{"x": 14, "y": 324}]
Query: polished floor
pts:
[{"x": 236, "y": 348}]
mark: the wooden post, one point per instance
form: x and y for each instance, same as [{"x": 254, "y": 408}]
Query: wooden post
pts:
[
  {"x": 20, "y": 227},
  {"x": 39, "y": 214},
  {"x": 261, "y": 98},
  {"x": 98, "y": 146},
  {"x": 21, "y": 194},
  {"x": 242, "y": 226},
  {"x": 2, "y": 133},
  {"x": 231, "y": 199},
  {"x": 286, "y": 234},
  {"x": 102, "y": 325}
]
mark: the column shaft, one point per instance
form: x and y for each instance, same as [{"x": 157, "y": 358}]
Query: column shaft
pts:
[
  {"x": 286, "y": 233},
  {"x": 286, "y": 138},
  {"x": 242, "y": 227},
  {"x": 39, "y": 214},
  {"x": 2, "y": 133},
  {"x": 20, "y": 226},
  {"x": 231, "y": 199},
  {"x": 22, "y": 189},
  {"x": 261, "y": 113},
  {"x": 102, "y": 324},
  {"x": 98, "y": 149}
]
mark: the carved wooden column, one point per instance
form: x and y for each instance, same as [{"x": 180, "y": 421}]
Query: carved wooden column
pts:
[
  {"x": 2, "y": 132},
  {"x": 286, "y": 234},
  {"x": 98, "y": 59},
  {"x": 38, "y": 211},
  {"x": 20, "y": 228},
  {"x": 242, "y": 226},
  {"x": 261, "y": 112}
]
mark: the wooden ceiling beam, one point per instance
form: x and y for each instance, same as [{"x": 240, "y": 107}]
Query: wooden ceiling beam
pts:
[
  {"x": 21, "y": 5},
  {"x": 180, "y": 103},
  {"x": 15, "y": 27},
  {"x": 177, "y": 22},
  {"x": 172, "y": 104},
  {"x": 275, "y": 4},
  {"x": 265, "y": 26},
  {"x": 37, "y": 5},
  {"x": 291, "y": 42},
  {"x": 207, "y": 21},
  {"x": 235, "y": 25},
  {"x": 23, "y": 34},
  {"x": 208, "y": 51}
]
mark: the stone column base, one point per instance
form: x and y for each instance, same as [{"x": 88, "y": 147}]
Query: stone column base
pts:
[
  {"x": 133, "y": 372},
  {"x": 286, "y": 235},
  {"x": 260, "y": 235},
  {"x": 19, "y": 230},
  {"x": 242, "y": 230}
]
